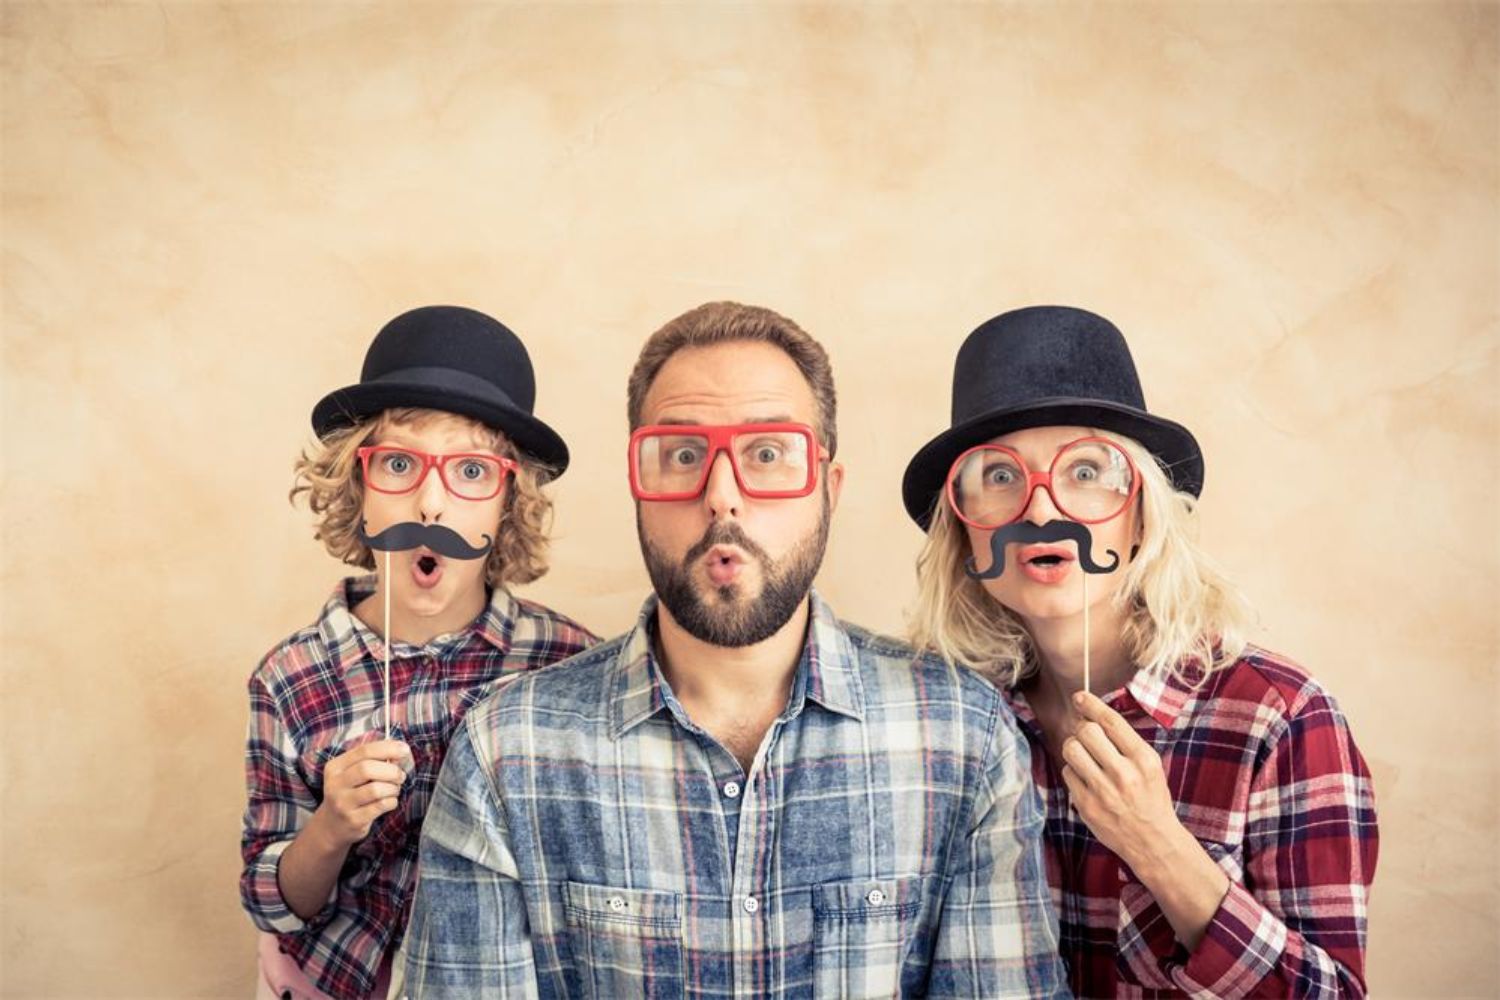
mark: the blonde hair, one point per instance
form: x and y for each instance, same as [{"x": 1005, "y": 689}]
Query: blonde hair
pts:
[
  {"x": 329, "y": 473},
  {"x": 1184, "y": 618}
]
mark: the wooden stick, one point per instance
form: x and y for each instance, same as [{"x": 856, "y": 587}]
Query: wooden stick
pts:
[
  {"x": 385, "y": 675},
  {"x": 1086, "y": 637}
]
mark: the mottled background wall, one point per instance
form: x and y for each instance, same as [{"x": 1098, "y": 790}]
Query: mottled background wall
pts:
[{"x": 208, "y": 210}]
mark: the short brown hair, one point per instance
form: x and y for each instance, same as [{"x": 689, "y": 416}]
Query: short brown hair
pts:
[
  {"x": 726, "y": 322},
  {"x": 329, "y": 474}
]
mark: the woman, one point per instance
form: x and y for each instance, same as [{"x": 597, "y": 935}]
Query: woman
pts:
[{"x": 1210, "y": 824}]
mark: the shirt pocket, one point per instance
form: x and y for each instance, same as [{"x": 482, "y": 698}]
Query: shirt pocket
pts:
[
  {"x": 863, "y": 930},
  {"x": 625, "y": 942}
]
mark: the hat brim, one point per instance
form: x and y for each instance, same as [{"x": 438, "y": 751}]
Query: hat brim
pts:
[
  {"x": 1174, "y": 446},
  {"x": 478, "y": 400}
]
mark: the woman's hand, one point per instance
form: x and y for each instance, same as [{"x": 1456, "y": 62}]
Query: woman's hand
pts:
[
  {"x": 1118, "y": 785},
  {"x": 1116, "y": 782}
]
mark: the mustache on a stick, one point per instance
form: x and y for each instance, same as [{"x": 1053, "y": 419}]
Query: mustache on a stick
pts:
[
  {"x": 1026, "y": 533},
  {"x": 413, "y": 535}
]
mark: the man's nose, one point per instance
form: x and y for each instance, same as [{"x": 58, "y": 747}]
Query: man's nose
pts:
[{"x": 722, "y": 491}]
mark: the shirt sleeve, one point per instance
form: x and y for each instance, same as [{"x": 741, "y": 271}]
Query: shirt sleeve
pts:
[
  {"x": 1297, "y": 924},
  {"x": 279, "y": 805},
  {"x": 469, "y": 934},
  {"x": 998, "y": 935}
]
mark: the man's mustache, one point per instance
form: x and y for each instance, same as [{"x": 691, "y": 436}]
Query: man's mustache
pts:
[
  {"x": 1026, "y": 533},
  {"x": 413, "y": 535},
  {"x": 724, "y": 533}
]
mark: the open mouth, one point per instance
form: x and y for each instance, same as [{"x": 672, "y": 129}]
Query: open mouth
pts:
[
  {"x": 427, "y": 570},
  {"x": 723, "y": 565},
  {"x": 1045, "y": 557}
]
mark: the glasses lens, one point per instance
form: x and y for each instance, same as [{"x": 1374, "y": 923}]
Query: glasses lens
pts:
[
  {"x": 394, "y": 471},
  {"x": 989, "y": 487},
  {"x": 473, "y": 477},
  {"x": 671, "y": 463},
  {"x": 1092, "y": 480},
  {"x": 774, "y": 461}
]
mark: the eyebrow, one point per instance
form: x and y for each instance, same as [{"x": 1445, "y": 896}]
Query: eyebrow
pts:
[
  {"x": 478, "y": 448},
  {"x": 682, "y": 422}
]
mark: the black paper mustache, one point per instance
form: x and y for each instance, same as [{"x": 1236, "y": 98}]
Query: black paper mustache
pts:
[
  {"x": 413, "y": 535},
  {"x": 1027, "y": 533}
]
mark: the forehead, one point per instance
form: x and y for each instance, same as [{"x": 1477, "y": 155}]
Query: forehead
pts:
[
  {"x": 1041, "y": 441},
  {"x": 731, "y": 383},
  {"x": 437, "y": 431}
]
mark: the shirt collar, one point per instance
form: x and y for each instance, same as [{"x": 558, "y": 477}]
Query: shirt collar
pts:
[
  {"x": 827, "y": 673},
  {"x": 1159, "y": 694},
  {"x": 1162, "y": 697},
  {"x": 352, "y": 643}
]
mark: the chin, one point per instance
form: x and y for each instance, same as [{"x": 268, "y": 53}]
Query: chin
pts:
[{"x": 1039, "y": 607}]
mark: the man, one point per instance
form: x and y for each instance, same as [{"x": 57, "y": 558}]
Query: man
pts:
[{"x": 742, "y": 796}]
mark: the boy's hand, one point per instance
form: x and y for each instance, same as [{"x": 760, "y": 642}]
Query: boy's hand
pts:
[{"x": 359, "y": 786}]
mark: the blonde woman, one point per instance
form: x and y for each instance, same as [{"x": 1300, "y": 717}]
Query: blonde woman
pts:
[
  {"x": 429, "y": 472},
  {"x": 1210, "y": 825}
]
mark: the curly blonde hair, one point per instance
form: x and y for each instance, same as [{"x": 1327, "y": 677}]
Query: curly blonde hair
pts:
[
  {"x": 1184, "y": 617},
  {"x": 329, "y": 473}
]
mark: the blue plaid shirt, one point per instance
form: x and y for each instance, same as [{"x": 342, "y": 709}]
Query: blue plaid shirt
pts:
[{"x": 586, "y": 838}]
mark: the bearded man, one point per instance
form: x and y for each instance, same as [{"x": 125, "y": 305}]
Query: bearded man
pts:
[{"x": 742, "y": 796}]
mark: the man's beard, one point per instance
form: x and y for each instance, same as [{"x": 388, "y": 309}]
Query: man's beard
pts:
[{"x": 736, "y": 622}]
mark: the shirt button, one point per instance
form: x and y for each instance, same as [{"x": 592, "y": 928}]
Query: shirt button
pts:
[
  {"x": 751, "y": 904},
  {"x": 731, "y": 789},
  {"x": 875, "y": 898},
  {"x": 617, "y": 903}
]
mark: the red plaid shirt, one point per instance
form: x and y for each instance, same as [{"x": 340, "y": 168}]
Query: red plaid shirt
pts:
[
  {"x": 1266, "y": 775},
  {"x": 318, "y": 694}
]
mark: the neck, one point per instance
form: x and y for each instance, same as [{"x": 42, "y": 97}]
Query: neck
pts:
[
  {"x": 417, "y": 629},
  {"x": 738, "y": 679},
  {"x": 1059, "y": 644}
]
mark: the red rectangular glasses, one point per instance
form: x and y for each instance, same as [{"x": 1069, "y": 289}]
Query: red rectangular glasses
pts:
[
  {"x": 770, "y": 461},
  {"x": 467, "y": 475}
]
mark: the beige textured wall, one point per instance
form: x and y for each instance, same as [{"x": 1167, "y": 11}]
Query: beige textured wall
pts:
[{"x": 207, "y": 212}]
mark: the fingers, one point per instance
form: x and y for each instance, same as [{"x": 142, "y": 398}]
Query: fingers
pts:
[
  {"x": 380, "y": 760},
  {"x": 374, "y": 792},
  {"x": 1081, "y": 762},
  {"x": 389, "y": 750},
  {"x": 1119, "y": 732},
  {"x": 1078, "y": 790}
]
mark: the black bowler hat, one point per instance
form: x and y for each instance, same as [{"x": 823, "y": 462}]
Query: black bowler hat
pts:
[
  {"x": 1041, "y": 366},
  {"x": 453, "y": 359}
]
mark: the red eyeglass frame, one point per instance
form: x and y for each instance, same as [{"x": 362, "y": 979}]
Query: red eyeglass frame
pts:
[
  {"x": 720, "y": 436},
  {"x": 1042, "y": 479},
  {"x": 508, "y": 466}
]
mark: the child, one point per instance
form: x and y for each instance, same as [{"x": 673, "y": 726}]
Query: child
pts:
[{"x": 429, "y": 471}]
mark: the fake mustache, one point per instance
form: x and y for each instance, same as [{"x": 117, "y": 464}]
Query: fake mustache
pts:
[
  {"x": 413, "y": 535},
  {"x": 1027, "y": 533}
]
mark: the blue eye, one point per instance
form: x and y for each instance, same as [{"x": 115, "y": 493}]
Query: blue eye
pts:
[
  {"x": 684, "y": 456},
  {"x": 765, "y": 454},
  {"x": 398, "y": 464},
  {"x": 472, "y": 471},
  {"x": 1085, "y": 472},
  {"x": 1000, "y": 475}
]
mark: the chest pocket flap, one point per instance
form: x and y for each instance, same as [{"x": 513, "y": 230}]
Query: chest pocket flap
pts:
[
  {"x": 864, "y": 929},
  {"x": 625, "y": 942}
]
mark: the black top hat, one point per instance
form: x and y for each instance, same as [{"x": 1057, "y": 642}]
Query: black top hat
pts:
[
  {"x": 453, "y": 359},
  {"x": 1041, "y": 366}
]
